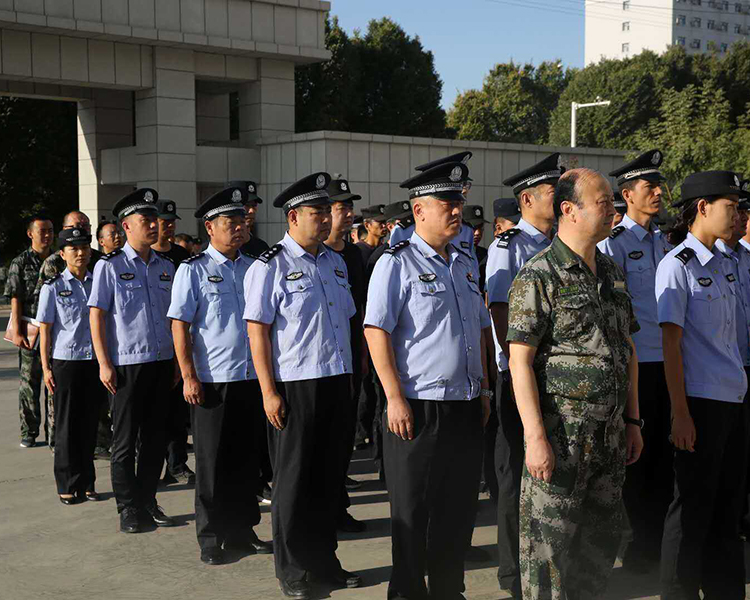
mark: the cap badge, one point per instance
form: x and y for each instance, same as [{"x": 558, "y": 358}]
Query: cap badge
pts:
[
  {"x": 478, "y": 212},
  {"x": 559, "y": 161},
  {"x": 76, "y": 232},
  {"x": 456, "y": 174},
  {"x": 148, "y": 197},
  {"x": 405, "y": 206},
  {"x": 320, "y": 182},
  {"x": 656, "y": 158},
  {"x": 236, "y": 196},
  {"x": 736, "y": 181},
  {"x": 382, "y": 209},
  {"x": 170, "y": 207},
  {"x": 251, "y": 188},
  {"x": 344, "y": 187}
]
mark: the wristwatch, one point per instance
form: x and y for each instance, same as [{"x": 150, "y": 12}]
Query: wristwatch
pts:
[
  {"x": 629, "y": 421},
  {"x": 487, "y": 393}
]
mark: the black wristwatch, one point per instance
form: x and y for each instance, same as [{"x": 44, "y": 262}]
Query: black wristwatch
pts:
[{"x": 629, "y": 421}]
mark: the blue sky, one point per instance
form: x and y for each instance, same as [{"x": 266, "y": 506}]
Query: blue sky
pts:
[{"x": 468, "y": 37}]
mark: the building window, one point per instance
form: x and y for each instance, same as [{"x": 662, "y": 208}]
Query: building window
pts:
[
  {"x": 680, "y": 41},
  {"x": 695, "y": 2},
  {"x": 695, "y": 22},
  {"x": 625, "y": 48},
  {"x": 680, "y": 20},
  {"x": 626, "y": 26},
  {"x": 695, "y": 44},
  {"x": 737, "y": 28},
  {"x": 626, "y": 5},
  {"x": 725, "y": 5},
  {"x": 723, "y": 26},
  {"x": 711, "y": 24},
  {"x": 724, "y": 47}
]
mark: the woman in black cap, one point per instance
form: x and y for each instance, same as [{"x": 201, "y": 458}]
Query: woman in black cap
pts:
[{"x": 696, "y": 298}]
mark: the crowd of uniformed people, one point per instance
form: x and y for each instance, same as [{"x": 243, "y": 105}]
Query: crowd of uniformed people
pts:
[{"x": 588, "y": 371}]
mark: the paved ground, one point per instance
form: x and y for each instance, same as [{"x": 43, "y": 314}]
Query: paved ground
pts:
[{"x": 48, "y": 550}]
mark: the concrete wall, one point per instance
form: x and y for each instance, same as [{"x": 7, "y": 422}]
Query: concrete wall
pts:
[{"x": 375, "y": 165}]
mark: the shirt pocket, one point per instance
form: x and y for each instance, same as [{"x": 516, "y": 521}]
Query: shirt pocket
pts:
[
  {"x": 69, "y": 310},
  {"x": 298, "y": 298},
  {"x": 640, "y": 277},
  {"x": 216, "y": 299},
  {"x": 130, "y": 292},
  {"x": 429, "y": 298},
  {"x": 345, "y": 295},
  {"x": 575, "y": 316},
  {"x": 705, "y": 306}
]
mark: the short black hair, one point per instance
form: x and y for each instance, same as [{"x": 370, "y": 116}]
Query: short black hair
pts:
[
  {"x": 36, "y": 217},
  {"x": 184, "y": 237},
  {"x": 566, "y": 191},
  {"x": 101, "y": 226},
  {"x": 361, "y": 232}
]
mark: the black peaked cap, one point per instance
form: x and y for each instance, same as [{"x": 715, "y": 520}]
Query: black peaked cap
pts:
[
  {"x": 141, "y": 201},
  {"x": 646, "y": 166},
  {"x": 308, "y": 191},
  {"x": 445, "y": 182},
  {"x": 249, "y": 190},
  {"x": 545, "y": 171},
  {"x": 226, "y": 203},
  {"x": 709, "y": 183}
]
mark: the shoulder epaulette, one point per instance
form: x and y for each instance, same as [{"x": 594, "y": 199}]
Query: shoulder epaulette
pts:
[
  {"x": 194, "y": 257},
  {"x": 49, "y": 280},
  {"x": 164, "y": 256},
  {"x": 111, "y": 254},
  {"x": 270, "y": 253},
  {"x": 504, "y": 238},
  {"x": 397, "y": 247},
  {"x": 685, "y": 255},
  {"x": 616, "y": 231}
]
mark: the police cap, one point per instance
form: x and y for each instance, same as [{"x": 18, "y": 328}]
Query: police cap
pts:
[
  {"x": 339, "y": 191},
  {"x": 709, "y": 183},
  {"x": 249, "y": 190},
  {"x": 646, "y": 166},
  {"x": 473, "y": 214},
  {"x": 397, "y": 210},
  {"x": 507, "y": 208},
  {"x": 73, "y": 236},
  {"x": 141, "y": 201},
  {"x": 308, "y": 191},
  {"x": 545, "y": 171},
  {"x": 226, "y": 203},
  {"x": 620, "y": 205},
  {"x": 167, "y": 209},
  {"x": 444, "y": 182},
  {"x": 376, "y": 212}
]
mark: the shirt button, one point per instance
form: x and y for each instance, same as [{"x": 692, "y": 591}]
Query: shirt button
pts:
[
  {"x": 325, "y": 281},
  {"x": 469, "y": 348}
]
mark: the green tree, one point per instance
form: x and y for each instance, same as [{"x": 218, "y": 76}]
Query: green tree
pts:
[
  {"x": 382, "y": 81},
  {"x": 38, "y": 166},
  {"x": 514, "y": 104}
]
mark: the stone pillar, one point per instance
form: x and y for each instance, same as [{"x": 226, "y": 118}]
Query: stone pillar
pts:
[
  {"x": 165, "y": 132},
  {"x": 105, "y": 121},
  {"x": 267, "y": 105}
]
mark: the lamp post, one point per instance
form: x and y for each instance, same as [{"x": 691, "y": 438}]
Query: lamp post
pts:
[{"x": 574, "y": 106}]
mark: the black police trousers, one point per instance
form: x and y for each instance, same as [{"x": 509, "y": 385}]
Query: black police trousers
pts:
[
  {"x": 139, "y": 416},
  {"x": 433, "y": 484},
  {"x": 649, "y": 482},
  {"x": 509, "y": 457},
  {"x": 308, "y": 458},
  {"x": 701, "y": 547},
  {"x": 178, "y": 416},
  {"x": 78, "y": 395},
  {"x": 226, "y": 464}
]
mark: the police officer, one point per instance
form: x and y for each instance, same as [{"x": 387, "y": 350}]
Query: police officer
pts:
[
  {"x": 219, "y": 382},
  {"x": 574, "y": 372},
  {"x": 507, "y": 214},
  {"x": 254, "y": 246},
  {"x": 70, "y": 369},
  {"x": 696, "y": 307},
  {"x": 424, "y": 327},
  {"x": 129, "y": 329},
  {"x": 473, "y": 216},
  {"x": 298, "y": 305},
  {"x": 342, "y": 212},
  {"x": 534, "y": 190},
  {"x": 373, "y": 218},
  {"x": 397, "y": 217},
  {"x": 176, "y": 469},
  {"x": 637, "y": 246}
]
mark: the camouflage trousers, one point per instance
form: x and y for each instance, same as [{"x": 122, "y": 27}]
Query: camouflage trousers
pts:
[
  {"x": 29, "y": 407},
  {"x": 571, "y": 527}
]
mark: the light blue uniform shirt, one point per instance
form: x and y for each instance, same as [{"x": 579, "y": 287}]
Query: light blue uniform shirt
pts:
[
  {"x": 307, "y": 301},
  {"x": 505, "y": 258},
  {"x": 136, "y": 297},
  {"x": 209, "y": 294},
  {"x": 62, "y": 302},
  {"x": 737, "y": 263},
  {"x": 638, "y": 253},
  {"x": 435, "y": 314},
  {"x": 464, "y": 240},
  {"x": 698, "y": 297}
]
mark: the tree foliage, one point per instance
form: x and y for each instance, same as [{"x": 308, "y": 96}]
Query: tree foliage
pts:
[
  {"x": 38, "y": 166},
  {"x": 382, "y": 81},
  {"x": 514, "y": 104}
]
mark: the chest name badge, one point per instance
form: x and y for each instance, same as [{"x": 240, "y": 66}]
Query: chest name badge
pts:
[
  {"x": 339, "y": 273},
  {"x": 215, "y": 279},
  {"x": 165, "y": 277},
  {"x": 705, "y": 281},
  {"x": 636, "y": 254},
  {"x": 427, "y": 277},
  {"x": 731, "y": 278},
  {"x": 619, "y": 285},
  {"x": 294, "y": 276},
  {"x": 127, "y": 276},
  {"x": 465, "y": 245},
  {"x": 65, "y": 293},
  {"x": 571, "y": 289}
]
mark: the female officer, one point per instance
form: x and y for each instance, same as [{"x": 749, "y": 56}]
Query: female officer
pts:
[
  {"x": 71, "y": 372},
  {"x": 696, "y": 299}
]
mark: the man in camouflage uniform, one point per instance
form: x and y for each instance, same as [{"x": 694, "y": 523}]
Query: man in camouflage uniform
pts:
[
  {"x": 20, "y": 289},
  {"x": 575, "y": 374},
  {"x": 52, "y": 266}
]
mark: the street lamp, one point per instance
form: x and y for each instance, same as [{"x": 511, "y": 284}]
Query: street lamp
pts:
[{"x": 574, "y": 106}]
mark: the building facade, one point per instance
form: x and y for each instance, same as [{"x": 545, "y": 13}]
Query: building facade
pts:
[{"x": 621, "y": 29}]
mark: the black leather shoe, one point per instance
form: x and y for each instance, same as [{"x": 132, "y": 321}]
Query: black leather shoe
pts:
[
  {"x": 295, "y": 589},
  {"x": 477, "y": 554},
  {"x": 69, "y": 501},
  {"x": 250, "y": 543},
  {"x": 349, "y": 524},
  {"x": 92, "y": 496},
  {"x": 129, "y": 521},
  {"x": 213, "y": 556},
  {"x": 342, "y": 579},
  {"x": 157, "y": 516}
]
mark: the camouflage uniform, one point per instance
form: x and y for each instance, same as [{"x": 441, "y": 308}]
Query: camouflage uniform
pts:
[
  {"x": 571, "y": 527},
  {"x": 22, "y": 279}
]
